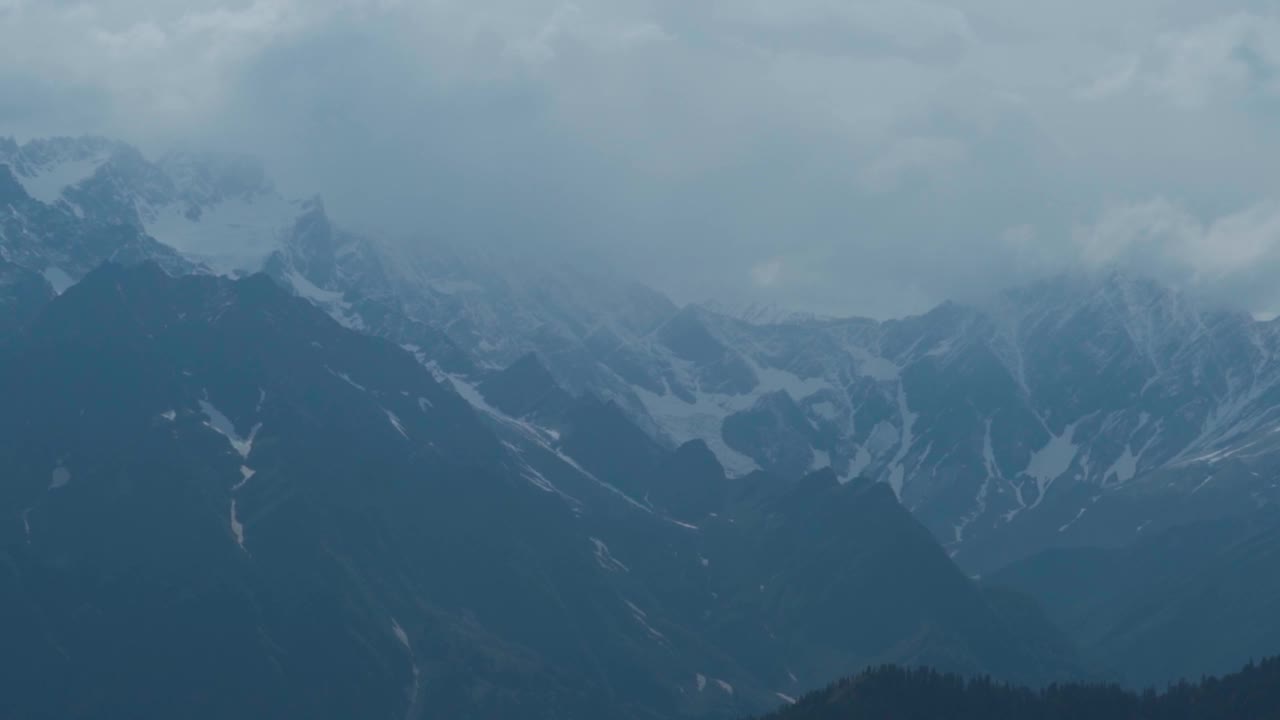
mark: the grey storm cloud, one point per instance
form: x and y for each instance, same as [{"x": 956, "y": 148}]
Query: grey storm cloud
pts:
[{"x": 866, "y": 156}]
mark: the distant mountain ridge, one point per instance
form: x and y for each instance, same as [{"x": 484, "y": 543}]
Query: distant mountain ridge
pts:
[{"x": 1072, "y": 411}]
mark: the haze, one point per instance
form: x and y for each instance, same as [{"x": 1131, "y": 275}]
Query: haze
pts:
[{"x": 844, "y": 157}]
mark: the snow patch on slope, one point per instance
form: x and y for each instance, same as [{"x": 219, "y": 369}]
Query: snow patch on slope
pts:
[
  {"x": 861, "y": 461},
  {"x": 897, "y": 475},
  {"x": 236, "y": 235},
  {"x": 221, "y": 424},
  {"x": 874, "y": 366},
  {"x": 346, "y": 379},
  {"x": 992, "y": 469},
  {"x": 1052, "y": 461},
  {"x": 400, "y": 634},
  {"x": 402, "y": 637},
  {"x": 539, "y": 436},
  {"x": 331, "y": 301},
  {"x": 821, "y": 459},
  {"x": 700, "y": 420},
  {"x": 606, "y": 559},
  {"x": 1074, "y": 520},
  {"x": 1124, "y": 468},
  {"x": 237, "y": 528},
  {"x": 58, "y": 279},
  {"x": 643, "y": 618},
  {"x": 60, "y": 477},
  {"x": 48, "y": 184},
  {"x": 395, "y": 423},
  {"x": 535, "y": 477}
]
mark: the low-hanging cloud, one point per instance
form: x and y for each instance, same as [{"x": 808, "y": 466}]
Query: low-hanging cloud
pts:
[
  {"x": 1237, "y": 252},
  {"x": 868, "y": 156}
]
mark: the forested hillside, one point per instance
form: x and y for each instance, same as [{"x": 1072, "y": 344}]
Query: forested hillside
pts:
[{"x": 899, "y": 694}]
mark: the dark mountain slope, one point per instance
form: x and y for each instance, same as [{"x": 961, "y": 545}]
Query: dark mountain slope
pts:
[
  {"x": 843, "y": 576},
  {"x": 22, "y": 294},
  {"x": 1186, "y": 602},
  {"x": 526, "y": 388},
  {"x": 795, "y": 579},
  {"x": 790, "y": 584},
  {"x": 221, "y": 503}
]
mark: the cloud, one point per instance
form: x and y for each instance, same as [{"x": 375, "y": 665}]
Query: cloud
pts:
[
  {"x": 1235, "y": 55},
  {"x": 1233, "y": 257},
  {"x": 1219, "y": 60},
  {"x": 882, "y": 150},
  {"x": 915, "y": 157},
  {"x": 767, "y": 273},
  {"x": 1140, "y": 232},
  {"x": 153, "y": 64}
]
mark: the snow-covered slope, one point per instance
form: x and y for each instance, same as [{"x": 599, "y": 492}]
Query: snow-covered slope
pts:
[{"x": 223, "y": 213}]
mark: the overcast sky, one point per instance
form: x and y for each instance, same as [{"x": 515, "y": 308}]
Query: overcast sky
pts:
[{"x": 843, "y": 156}]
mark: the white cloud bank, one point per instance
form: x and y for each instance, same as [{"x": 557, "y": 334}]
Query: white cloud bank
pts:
[{"x": 880, "y": 155}]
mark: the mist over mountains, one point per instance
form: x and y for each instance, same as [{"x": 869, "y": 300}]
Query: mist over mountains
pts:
[
  {"x": 502, "y": 486},
  {"x": 1070, "y": 397}
]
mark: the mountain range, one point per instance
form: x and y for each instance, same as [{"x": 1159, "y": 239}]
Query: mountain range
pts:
[
  {"x": 437, "y": 481},
  {"x": 212, "y": 484},
  {"x": 1049, "y": 415}
]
